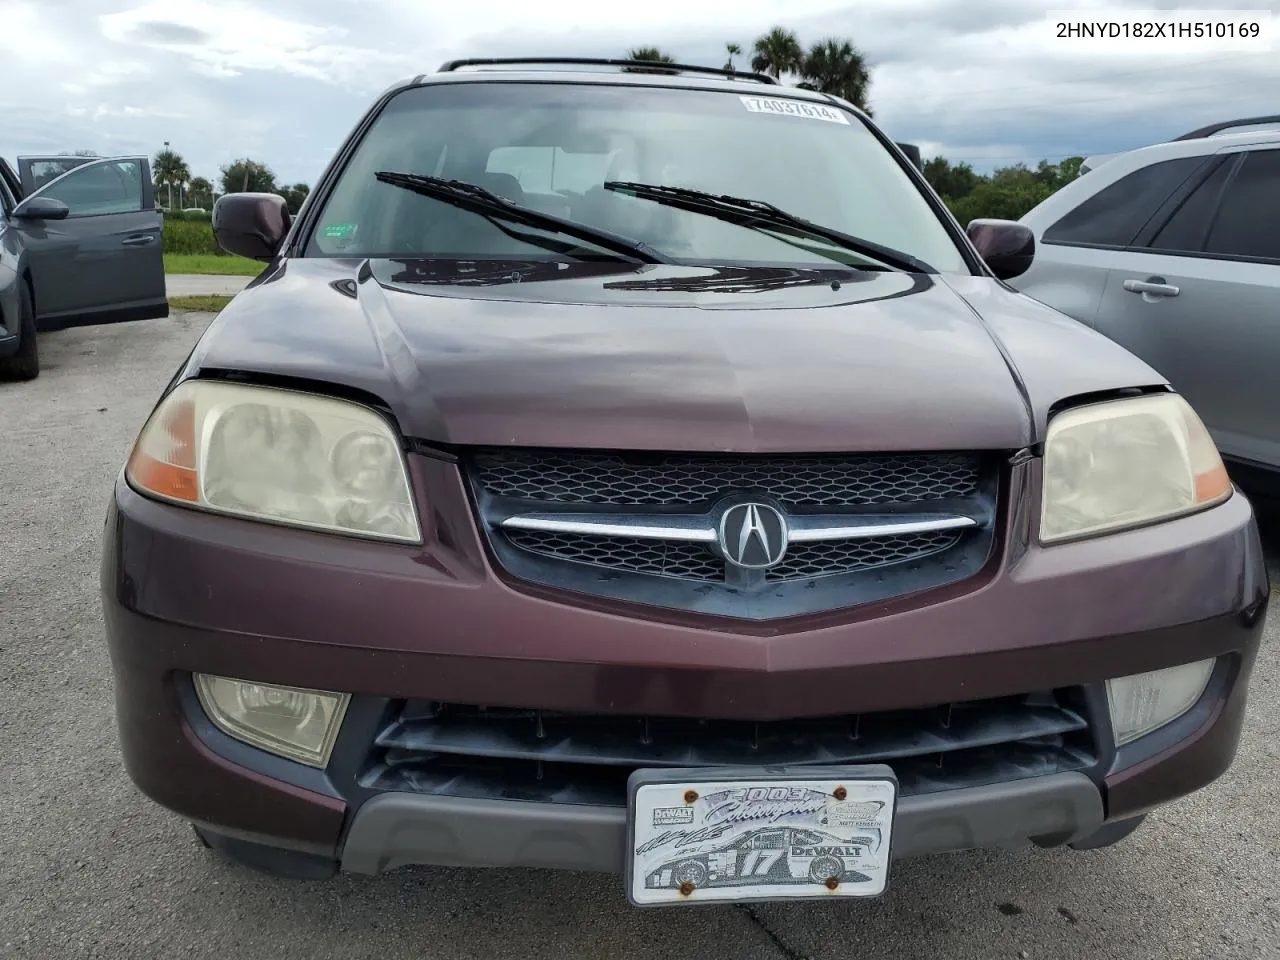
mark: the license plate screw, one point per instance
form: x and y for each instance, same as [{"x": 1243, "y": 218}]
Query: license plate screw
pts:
[
  {"x": 690, "y": 796},
  {"x": 840, "y": 793},
  {"x": 831, "y": 883},
  {"x": 686, "y": 888}
]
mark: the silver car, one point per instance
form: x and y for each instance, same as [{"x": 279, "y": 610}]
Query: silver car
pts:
[{"x": 1173, "y": 251}]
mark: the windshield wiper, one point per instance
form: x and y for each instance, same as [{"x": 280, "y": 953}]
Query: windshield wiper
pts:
[
  {"x": 759, "y": 214},
  {"x": 476, "y": 199}
]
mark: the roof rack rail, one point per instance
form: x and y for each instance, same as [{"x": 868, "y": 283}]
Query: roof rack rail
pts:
[
  {"x": 1227, "y": 125},
  {"x": 648, "y": 65}
]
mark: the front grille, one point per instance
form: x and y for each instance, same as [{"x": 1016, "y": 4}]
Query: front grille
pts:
[
  {"x": 663, "y": 558},
  {"x": 460, "y": 750},
  {"x": 691, "y": 480},
  {"x": 804, "y": 561},
  {"x": 574, "y": 520},
  {"x": 694, "y": 561}
]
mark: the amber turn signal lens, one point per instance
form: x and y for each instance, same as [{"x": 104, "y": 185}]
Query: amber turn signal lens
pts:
[
  {"x": 163, "y": 461},
  {"x": 1212, "y": 485}
]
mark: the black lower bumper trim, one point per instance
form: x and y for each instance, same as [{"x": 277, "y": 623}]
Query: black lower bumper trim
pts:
[{"x": 399, "y": 829}]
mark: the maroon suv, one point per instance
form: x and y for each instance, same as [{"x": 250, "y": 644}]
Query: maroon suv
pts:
[{"x": 637, "y": 469}]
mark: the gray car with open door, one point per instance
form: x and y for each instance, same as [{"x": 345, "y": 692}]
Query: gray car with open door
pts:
[{"x": 84, "y": 247}]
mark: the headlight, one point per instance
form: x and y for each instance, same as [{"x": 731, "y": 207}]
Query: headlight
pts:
[
  {"x": 277, "y": 455},
  {"x": 299, "y": 724},
  {"x": 1125, "y": 463},
  {"x": 1147, "y": 701}
]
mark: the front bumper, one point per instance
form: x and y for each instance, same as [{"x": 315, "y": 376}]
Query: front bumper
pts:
[
  {"x": 395, "y": 830},
  {"x": 189, "y": 592}
]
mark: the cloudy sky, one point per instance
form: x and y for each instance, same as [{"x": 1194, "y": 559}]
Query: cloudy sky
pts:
[{"x": 979, "y": 80}]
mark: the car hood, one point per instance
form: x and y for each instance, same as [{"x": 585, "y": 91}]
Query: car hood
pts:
[{"x": 666, "y": 357}]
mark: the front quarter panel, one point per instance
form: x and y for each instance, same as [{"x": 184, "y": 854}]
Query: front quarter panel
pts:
[
  {"x": 1055, "y": 357},
  {"x": 284, "y": 318}
]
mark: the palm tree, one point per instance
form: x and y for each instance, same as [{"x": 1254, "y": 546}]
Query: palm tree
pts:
[
  {"x": 836, "y": 67},
  {"x": 200, "y": 193},
  {"x": 648, "y": 55},
  {"x": 734, "y": 51},
  {"x": 169, "y": 168},
  {"x": 651, "y": 55},
  {"x": 777, "y": 52}
]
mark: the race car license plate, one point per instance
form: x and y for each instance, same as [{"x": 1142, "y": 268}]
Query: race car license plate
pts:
[{"x": 748, "y": 834}]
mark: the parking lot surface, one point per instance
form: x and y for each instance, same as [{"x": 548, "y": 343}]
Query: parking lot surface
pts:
[{"x": 92, "y": 869}]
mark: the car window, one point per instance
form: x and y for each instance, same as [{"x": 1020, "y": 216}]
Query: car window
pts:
[
  {"x": 1186, "y": 229},
  {"x": 42, "y": 171},
  {"x": 549, "y": 169},
  {"x": 1114, "y": 215},
  {"x": 552, "y": 146},
  {"x": 102, "y": 188},
  {"x": 1245, "y": 225}
]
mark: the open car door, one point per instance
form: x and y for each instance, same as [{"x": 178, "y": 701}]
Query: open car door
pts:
[
  {"x": 35, "y": 172},
  {"x": 97, "y": 254},
  {"x": 11, "y": 180}
]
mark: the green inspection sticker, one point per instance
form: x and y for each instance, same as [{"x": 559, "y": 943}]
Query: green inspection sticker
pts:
[{"x": 339, "y": 231}]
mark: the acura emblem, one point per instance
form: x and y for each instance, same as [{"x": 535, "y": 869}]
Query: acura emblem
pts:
[{"x": 753, "y": 535}]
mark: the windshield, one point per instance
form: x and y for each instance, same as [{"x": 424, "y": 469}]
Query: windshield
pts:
[{"x": 552, "y": 147}]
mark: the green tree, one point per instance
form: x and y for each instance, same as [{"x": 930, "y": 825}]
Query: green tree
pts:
[
  {"x": 200, "y": 193},
  {"x": 1069, "y": 169},
  {"x": 1006, "y": 195},
  {"x": 1058, "y": 175},
  {"x": 648, "y": 55},
  {"x": 951, "y": 181},
  {"x": 294, "y": 196},
  {"x": 777, "y": 52},
  {"x": 248, "y": 176},
  {"x": 169, "y": 170},
  {"x": 733, "y": 50},
  {"x": 836, "y": 67}
]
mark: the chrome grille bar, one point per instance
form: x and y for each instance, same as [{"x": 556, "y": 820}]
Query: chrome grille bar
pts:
[{"x": 701, "y": 528}]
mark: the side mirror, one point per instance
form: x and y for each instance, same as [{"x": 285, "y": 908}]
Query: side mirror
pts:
[
  {"x": 41, "y": 208},
  {"x": 251, "y": 225},
  {"x": 913, "y": 154},
  {"x": 1006, "y": 246}
]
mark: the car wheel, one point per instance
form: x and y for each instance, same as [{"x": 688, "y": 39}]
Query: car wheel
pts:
[
  {"x": 824, "y": 868},
  {"x": 692, "y": 871},
  {"x": 25, "y": 364},
  {"x": 273, "y": 861}
]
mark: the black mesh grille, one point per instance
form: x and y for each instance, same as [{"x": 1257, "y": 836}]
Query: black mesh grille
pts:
[
  {"x": 465, "y": 750},
  {"x": 668, "y": 558},
  {"x": 633, "y": 489},
  {"x": 694, "y": 561},
  {"x": 825, "y": 559},
  {"x": 688, "y": 480}
]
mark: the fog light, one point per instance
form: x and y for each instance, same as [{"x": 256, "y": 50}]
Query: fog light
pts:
[
  {"x": 299, "y": 724},
  {"x": 1146, "y": 701}
]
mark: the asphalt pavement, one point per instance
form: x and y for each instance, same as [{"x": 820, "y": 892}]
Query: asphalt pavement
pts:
[{"x": 89, "y": 868}]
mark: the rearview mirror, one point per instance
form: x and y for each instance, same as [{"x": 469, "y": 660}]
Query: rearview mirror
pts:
[
  {"x": 251, "y": 225},
  {"x": 1006, "y": 246},
  {"x": 41, "y": 208}
]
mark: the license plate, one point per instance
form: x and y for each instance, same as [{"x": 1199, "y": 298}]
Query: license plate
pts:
[{"x": 746, "y": 834}]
